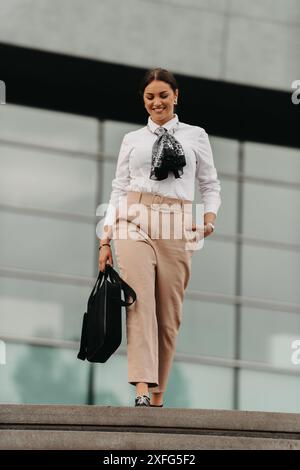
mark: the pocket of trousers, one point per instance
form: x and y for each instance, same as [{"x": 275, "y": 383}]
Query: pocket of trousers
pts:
[{"x": 193, "y": 238}]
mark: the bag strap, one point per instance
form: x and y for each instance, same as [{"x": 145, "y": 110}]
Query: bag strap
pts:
[
  {"x": 83, "y": 345},
  {"x": 98, "y": 282},
  {"x": 128, "y": 291}
]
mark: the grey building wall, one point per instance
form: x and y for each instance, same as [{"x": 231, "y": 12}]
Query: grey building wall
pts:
[{"x": 253, "y": 42}]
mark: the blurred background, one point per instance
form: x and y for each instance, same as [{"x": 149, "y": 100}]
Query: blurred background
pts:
[{"x": 72, "y": 70}]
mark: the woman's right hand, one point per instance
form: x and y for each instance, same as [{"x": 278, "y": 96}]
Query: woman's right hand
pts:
[{"x": 105, "y": 257}]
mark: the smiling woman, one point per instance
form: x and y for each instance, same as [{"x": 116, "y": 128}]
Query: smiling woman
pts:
[
  {"x": 159, "y": 90},
  {"x": 158, "y": 161}
]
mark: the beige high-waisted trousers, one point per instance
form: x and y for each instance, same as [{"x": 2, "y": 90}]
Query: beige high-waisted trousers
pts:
[{"x": 158, "y": 267}]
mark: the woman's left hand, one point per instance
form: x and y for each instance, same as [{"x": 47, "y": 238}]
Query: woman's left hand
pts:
[{"x": 207, "y": 229}]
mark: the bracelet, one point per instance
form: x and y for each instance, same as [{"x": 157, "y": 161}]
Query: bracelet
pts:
[
  {"x": 104, "y": 245},
  {"x": 212, "y": 225}
]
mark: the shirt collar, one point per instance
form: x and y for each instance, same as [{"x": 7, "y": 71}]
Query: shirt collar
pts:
[{"x": 170, "y": 125}]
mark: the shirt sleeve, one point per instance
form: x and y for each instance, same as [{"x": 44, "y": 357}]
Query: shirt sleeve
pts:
[
  {"x": 206, "y": 174},
  {"x": 120, "y": 181}
]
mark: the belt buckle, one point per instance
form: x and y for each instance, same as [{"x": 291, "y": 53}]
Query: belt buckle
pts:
[{"x": 159, "y": 196}]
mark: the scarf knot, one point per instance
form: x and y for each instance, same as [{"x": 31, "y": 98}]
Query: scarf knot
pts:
[{"x": 167, "y": 155}]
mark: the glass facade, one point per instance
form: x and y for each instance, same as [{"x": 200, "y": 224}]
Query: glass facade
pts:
[{"x": 242, "y": 307}]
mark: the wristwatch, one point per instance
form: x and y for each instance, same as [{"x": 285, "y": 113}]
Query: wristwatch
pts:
[{"x": 212, "y": 225}]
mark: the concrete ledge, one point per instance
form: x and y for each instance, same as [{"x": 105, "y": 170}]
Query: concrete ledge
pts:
[
  {"x": 107, "y": 427},
  {"x": 85, "y": 440},
  {"x": 163, "y": 417}
]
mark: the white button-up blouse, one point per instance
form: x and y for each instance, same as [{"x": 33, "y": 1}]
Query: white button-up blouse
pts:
[{"x": 134, "y": 166}]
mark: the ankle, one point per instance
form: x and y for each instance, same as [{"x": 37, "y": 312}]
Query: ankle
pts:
[
  {"x": 142, "y": 389},
  {"x": 157, "y": 398}
]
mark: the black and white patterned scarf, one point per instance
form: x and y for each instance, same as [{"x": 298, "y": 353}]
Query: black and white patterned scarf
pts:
[{"x": 167, "y": 155}]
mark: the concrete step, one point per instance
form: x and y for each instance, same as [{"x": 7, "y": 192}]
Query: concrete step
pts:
[{"x": 84, "y": 427}]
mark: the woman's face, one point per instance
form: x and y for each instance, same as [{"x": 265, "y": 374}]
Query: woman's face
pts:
[{"x": 159, "y": 101}]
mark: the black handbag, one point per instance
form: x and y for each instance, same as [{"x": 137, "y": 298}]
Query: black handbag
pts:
[{"x": 101, "y": 331}]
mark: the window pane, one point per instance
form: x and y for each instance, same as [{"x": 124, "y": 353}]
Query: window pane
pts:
[
  {"x": 225, "y": 153},
  {"x": 111, "y": 383},
  {"x": 207, "y": 328},
  {"x": 35, "y": 374},
  {"x": 113, "y": 133},
  {"x": 44, "y": 309},
  {"x": 278, "y": 215},
  {"x": 199, "y": 386},
  {"x": 108, "y": 170},
  {"x": 272, "y": 333},
  {"x": 270, "y": 161},
  {"x": 213, "y": 267},
  {"x": 48, "y": 128},
  {"x": 226, "y": 221},
  {"x": 271, "y": 274},
  {"x": 265, "y": 391},
  {"x": 49, "y": 181},
  {"x": 47, "y": 244}
]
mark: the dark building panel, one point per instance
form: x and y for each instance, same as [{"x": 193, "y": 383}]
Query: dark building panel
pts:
[{"x": 110, "y": 91}]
